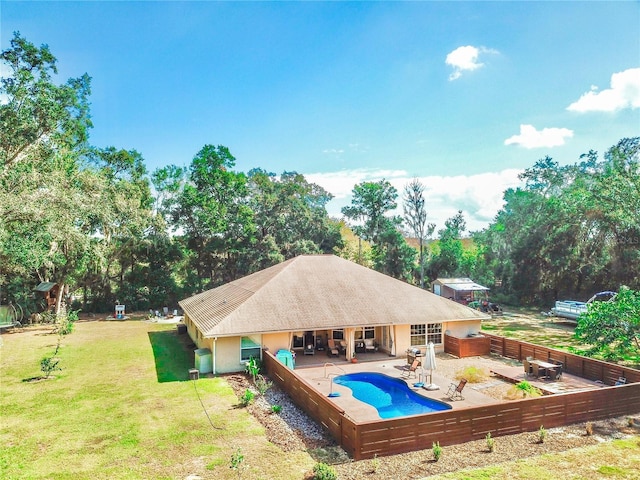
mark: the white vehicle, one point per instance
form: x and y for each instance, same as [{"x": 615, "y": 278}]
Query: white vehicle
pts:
[{"x": 571, "y": 309}]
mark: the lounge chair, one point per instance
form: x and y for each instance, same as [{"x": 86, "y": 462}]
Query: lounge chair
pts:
[
  {"x": 455, "y": 391},
  {"x": 331, "y": 348},
  {"x": 369, "y": 345},
  {"x": 409, "y": 370}
]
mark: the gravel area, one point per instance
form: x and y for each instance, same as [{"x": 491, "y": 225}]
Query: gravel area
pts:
[{"x": 293, "y": 430}]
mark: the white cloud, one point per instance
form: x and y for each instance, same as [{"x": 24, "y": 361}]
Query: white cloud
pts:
[
  {"x": 624, "y": 93},
  {"x": 478, "y": 196},
  {"x": 333, "y": 151},
  {"x": 465, "y": 59},
  {"x": 547, "y": 137}
]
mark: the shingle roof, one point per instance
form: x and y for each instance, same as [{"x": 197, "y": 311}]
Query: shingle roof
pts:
[{"x": 313, "y": 292}]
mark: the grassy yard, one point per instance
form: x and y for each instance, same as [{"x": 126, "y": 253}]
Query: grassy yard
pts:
[{"x": 122, "y": 407}]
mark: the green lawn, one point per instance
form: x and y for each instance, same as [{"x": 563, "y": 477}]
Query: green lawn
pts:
[{"x": 122, "y": 407}]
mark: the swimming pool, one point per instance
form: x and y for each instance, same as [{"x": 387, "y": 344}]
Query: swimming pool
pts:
[{"x": 390, "y": 396}]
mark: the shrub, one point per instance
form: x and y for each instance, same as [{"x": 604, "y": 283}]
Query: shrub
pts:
[
  {"x": 322, "y": 471},
  {"x": 523, "y": 390},
  {"x": 247, "y": 397},
  {"x": 64, "y": 322},
  {"x": 490, "y": 442},
  {"x": 236, "y": 462},
  {"x": 375, "y": 463},
  {"x": 276, "y": 408},
  {"x": 542, "y": 434},
  {"x": 473, "y": 374},
  {"x": 589, "y": 428},
  {"x": 253, "y": 367},
  {"x": 262, "y": 384},
  {"x": 50, "y": 363},
  {"x": 437, "y": 451}
]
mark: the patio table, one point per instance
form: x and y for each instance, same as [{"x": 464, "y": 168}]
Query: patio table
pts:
[{"x": 546, "y": 366}]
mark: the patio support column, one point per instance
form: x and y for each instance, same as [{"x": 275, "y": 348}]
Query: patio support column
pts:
[
  {"x": 350, "y": 334},
  {"x": 214, "y": 354},
  {"x": 392, "y": 331}
]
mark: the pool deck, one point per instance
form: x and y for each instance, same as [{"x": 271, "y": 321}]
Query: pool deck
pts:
[
  {"x": 318, "y": 373},
  {"x": 319, "y": 377}
]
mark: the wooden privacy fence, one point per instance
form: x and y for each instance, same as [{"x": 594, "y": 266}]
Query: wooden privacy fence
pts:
[
  {"x": 387, "y": 437},
  {"x": 585, "y": 367}
]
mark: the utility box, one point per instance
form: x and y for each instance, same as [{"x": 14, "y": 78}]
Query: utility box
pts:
[
  {"x": 286, "y": 357},
  {"x": 204, "y": 360}
]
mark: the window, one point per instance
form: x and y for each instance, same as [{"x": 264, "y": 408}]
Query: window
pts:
[
  {"x": 365, "y": 332},
  {"x": 418, "y": 335},
  {"x": 434, "y": 333},
  {"x": 249, "y": 347},
  {"x": 422, "y": 334},
  {"x": 337, "y": 334}
]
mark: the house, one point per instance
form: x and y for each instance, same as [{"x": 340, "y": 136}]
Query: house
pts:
[
  {"x": 462, "y": 290},
  {"x": 307, "y": 300}
]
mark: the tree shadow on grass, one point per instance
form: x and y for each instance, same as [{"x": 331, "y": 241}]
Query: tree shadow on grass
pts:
[{"x": 173, "y": 355}]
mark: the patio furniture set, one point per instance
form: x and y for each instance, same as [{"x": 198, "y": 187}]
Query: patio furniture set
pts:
[{"x": 542, "y": 369}]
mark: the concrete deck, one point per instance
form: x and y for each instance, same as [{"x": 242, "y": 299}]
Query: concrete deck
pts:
[
  {"x": 318, "y": 370},
  {"x": 320, "y": 378}
]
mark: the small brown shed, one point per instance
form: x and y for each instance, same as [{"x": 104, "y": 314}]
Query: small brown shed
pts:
[{"x": 49, "y": 292}]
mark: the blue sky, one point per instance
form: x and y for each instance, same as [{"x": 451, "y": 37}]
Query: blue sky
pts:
[{"x": 462, "y": 95}]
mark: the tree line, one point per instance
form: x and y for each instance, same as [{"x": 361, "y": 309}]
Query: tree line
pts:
[{"x": 96, "y": 222}]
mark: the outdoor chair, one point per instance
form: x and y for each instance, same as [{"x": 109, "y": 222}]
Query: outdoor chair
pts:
[
  {"x": 455, "y": 390},
  {"x": 559, "y": 369},
  {"x": 527, "y": 368},
  {"x": 342, "y": 346},
  {"x": 332, "y": 350},
  {"x": 369, "y": 345},
  {"x": 409, "y": 370},
  {"x": 309, "y": 350},
  {"x": 536, "y": 371}
]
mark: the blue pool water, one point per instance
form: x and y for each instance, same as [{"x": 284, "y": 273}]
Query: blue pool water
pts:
[{"x": 390, "y": 396}]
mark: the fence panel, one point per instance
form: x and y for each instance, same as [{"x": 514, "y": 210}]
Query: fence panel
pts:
[{"x": 392, "y": 436}]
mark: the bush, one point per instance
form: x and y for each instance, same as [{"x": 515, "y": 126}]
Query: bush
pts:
[
  {"x": 437, "y": 451},
  {"x": 262, "y": 384},
  {"x": 589, "y": 428},
  {"x": 523, "y": 390},
  {"x": 542, "y": 434},
  {"x": 247, "y": 397},
  {"x": 491, "y": 443},
  {"x": 276, "y": 408},
  {"x": 473, "y": 374},
  {"x": 322, "y": 471}
]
